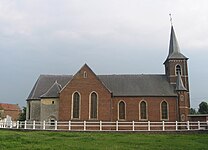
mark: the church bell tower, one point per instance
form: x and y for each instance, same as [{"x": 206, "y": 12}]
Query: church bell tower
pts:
[{"x": 176, "y": 70}]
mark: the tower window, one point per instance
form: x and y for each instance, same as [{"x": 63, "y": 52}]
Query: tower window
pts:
[{"x": 178, "y": 69}]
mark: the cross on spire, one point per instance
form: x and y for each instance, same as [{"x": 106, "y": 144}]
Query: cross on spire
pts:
[{"x": 171, "y": 19}]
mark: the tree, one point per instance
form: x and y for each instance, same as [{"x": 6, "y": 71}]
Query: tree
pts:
[
  {"x": 22, "y": 116},
  {"x": 203, "y": 108},
  {"x": 193, "y": 111}
]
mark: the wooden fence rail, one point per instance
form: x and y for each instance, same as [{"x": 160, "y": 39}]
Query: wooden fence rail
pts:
[{"x": 105, "y": 125}]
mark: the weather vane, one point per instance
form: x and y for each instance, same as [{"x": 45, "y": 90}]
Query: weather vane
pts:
[{"x": 171, "y": 19}]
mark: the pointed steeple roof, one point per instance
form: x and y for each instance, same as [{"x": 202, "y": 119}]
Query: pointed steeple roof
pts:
[
  {"x": 179, "y": 84},
  {"x": 53, "y": 91},
  {"x": 174, "y": 50}
]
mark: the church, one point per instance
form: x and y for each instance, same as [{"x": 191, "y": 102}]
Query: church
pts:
[{"x": 86, "y": 96}]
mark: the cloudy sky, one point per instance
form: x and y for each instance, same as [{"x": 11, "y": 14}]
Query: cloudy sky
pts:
[{"x": 111, "y": 36}]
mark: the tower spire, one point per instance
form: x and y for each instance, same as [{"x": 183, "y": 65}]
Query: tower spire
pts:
[{"x": 174, "y": 50}]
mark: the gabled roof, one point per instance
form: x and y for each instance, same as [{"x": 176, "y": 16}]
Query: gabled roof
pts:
[
  {"x": 13, "y": 107},
  {"x": 138, "y": 85},
  {"x": 119, "y": 85},
  {"x": 85, "y": 65},
  {"x": 179, "y": 84},
  {"x": 53, "y": 91},
  {"x": 174, "y": 50},
  {"x": 45, "y": 82}
]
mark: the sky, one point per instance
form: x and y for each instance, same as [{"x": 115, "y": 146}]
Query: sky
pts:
[{"x": 111, "y": 36}]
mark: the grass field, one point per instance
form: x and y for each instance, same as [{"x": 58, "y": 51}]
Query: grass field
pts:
[{"x": 86, "y": 140}]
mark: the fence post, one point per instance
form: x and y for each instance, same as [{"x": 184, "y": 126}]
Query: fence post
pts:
[
  {"x": 17, "y": 124},
  {"x": 148, "y": 125},
  {"x": 188, "y": 127},
  {"x": 117, "y": 125},
  {"x": 56, "y": 125},
  {"x": 69, "y": 125},
  {"x": 34, "y": 124},
  {"x": 11, "y": 124},
  {"x": 84, "y": 125},
  {"x": 199, "y": 125},
  {"x": 163, "y": 125},
  {"x": 25, "y": 127},
  {"x": 100, "y": 125},
  {"x": 176, "y": 125},
  {"x": 4, "y": 126},
  {"x": 44, "y": 125},
  {"x": 133, "y": 125}
]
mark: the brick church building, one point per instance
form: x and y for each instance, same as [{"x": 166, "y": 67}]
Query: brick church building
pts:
[{"x": 134, "y": 97}]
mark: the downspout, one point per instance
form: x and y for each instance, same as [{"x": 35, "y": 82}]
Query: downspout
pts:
[
  {"x": 111, "y": 117},
  {"x": 177, "y": 108}
]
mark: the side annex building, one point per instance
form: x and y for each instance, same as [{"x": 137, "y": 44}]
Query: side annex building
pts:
[{"x": 134, "y": 97}]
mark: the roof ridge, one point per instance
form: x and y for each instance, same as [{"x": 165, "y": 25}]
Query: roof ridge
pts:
[
  {"x": 8, "y": 103},
  {"x": 55, "y": 83},
  {"x": 56, "y": 75},
  {"x": 129, "y": 74},
  {"x": 108, "y": 74},
  {"x": 36, "y": 86}
]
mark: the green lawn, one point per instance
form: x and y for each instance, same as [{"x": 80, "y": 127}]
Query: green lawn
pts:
[{"x": 86, "y": 140}]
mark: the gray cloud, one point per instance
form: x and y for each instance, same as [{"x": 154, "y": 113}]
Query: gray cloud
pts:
[{"x": 112, "y": 36}]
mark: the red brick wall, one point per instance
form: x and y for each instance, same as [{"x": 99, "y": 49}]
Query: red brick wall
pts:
[
  {"x": 184, "y": 105},
  {"x": 85, "y": 86},
  {"x": 107, "y": 106},
  {"x": 171, "y": 71},
  {"x": 198, "y": 118},
  {"x": 153, "y": 108}
]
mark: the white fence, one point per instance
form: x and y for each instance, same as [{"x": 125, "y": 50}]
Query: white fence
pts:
[{"x": 105, "y": 126}]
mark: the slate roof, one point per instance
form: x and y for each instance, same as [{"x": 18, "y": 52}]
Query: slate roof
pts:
[
  {"x": 174, "y": 50},
  {"x": 45, "y": 82},
  {"x": 138, "y": 85},
  {"x": 119, "y": 85},
  {"x": 53, "y": 91}
]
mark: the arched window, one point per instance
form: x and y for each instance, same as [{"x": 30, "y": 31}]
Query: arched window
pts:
[
  {"x": 93, "y": 106},
  {"x": 143, "y": 110},
  {"x": 85, "y": 74},
  {"x": 121, "y": 110},
  {"x": 76, "y": 107},
  {"x": 164, "y": 110},
  {"x": 52, "y": 120},
  {"x": 178, "y": 69}
]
